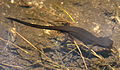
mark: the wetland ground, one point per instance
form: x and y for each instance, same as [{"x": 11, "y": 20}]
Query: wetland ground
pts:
[{"x": 44, "y": 50}]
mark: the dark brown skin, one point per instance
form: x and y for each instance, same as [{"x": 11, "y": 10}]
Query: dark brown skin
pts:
[{"x": 79, "y": 33}]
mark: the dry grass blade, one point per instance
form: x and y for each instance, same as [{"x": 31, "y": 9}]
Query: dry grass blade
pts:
[
  {"x": 81, "y": 55},
  {"x": 111, "y": 67},
  {"x": 44, "y": 65},
  {"x": 100, "y": 57},
  {"x": 63, "y": 20},
  {"x": 69, "y": 53},
  {"x": 66, "y": 13},
  {"x": 14, "y": 45},
  {"x": 24, "y": 39},
  {"x": 10, "y": 65}
]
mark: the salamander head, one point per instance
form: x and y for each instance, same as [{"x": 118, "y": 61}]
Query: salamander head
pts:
[{"x": 105, "y": 42}]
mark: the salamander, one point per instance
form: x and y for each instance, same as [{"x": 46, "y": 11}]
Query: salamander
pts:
[{"x": 79, "y": 33}]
